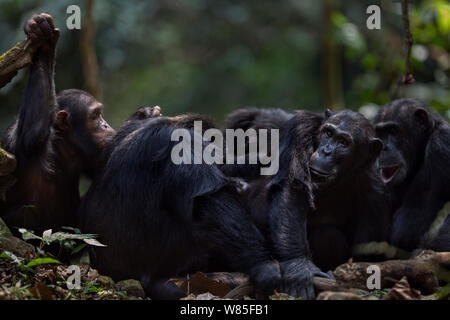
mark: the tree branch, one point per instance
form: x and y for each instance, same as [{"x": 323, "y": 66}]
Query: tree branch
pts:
[{"x": 14, "y": 59}]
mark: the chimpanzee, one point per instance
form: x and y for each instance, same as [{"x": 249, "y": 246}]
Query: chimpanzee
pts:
[
  {"x": 326, "y": 196},
  {"x": 55, "y": 139},
  {"x": 414, "y": 164},
  {"x": 160, "y": 219},
  {"x": 251, "y": 118}
]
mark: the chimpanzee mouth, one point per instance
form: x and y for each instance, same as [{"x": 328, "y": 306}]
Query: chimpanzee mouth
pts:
[
  {"x": 318, "y": 173},
  {"x": 388, "y": 173}
]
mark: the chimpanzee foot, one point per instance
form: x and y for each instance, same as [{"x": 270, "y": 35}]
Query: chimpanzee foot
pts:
[
  {"x": 161, "y": 289},
  {"x": 298, "y": 276}
]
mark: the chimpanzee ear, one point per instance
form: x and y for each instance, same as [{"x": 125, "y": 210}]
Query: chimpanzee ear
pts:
[
  {"x": 62, "y": 120},
  {"x": 328, "y": 113},
  {"x": 422, "y": 115},
  {"x": 376, "y": 145}
]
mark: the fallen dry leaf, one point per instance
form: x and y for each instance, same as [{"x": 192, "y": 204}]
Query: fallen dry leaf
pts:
[{"x": 402, "y": 291}]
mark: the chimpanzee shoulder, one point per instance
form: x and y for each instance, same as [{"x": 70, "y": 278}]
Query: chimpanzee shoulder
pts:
[{"x": 253, "y": 117}]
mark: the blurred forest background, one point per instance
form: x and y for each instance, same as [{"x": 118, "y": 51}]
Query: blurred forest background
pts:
[{"x": 214, "y": 56}]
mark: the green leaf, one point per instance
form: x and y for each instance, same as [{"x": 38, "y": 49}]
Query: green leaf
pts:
[
  {"x": 11, "y": 256},
  {"x": 40, "y": 261},
  {"x": 75, "y": 230}
]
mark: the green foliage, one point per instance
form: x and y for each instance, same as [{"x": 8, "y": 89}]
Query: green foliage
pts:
[
  {"x": 443, "y": 293},
  {"x": 67, "y": 241},
  {"x": 40, "y": 261}
]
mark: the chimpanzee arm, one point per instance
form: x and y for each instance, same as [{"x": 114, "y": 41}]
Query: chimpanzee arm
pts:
[
  {"x": 426, "y": 195},
  {"x": 288, "y": 225},
  {"x": 37, "y": 111},
  {"x": 288, "y": 214}
]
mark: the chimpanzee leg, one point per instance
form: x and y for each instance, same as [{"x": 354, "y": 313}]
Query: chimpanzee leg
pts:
[
  {"x": 161, "y": 289},
  {"x": 329, "y": 247},
  {"x": 221, "y": 222}
]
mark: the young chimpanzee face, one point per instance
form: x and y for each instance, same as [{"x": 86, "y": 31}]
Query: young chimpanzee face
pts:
[
  {"x": 402, "y": 126},
  {"x": 347, "y": 144},
  {"x": 80, "y": 122}
]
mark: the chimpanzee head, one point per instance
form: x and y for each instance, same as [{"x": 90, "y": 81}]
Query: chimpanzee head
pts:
[
  {"x": 79, "y": 121},
  {"x": 403, "y": 125},
  {"x": 347, "y": 145}
]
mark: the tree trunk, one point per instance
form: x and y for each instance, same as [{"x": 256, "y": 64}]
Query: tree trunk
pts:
[{"x": 90, "y": 66}]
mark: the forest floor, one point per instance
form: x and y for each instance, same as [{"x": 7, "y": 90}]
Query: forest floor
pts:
[{"x": 28, "y": 272}]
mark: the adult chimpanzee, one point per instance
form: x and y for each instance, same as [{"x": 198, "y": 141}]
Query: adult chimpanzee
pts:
[
  {"x": 160, "y": 219},
  {"x": 414, "y": 164},
  {"x": 326, "y": 196},
  {"x": 252, "y": 118},
  {"x": 55, "y": 140}
]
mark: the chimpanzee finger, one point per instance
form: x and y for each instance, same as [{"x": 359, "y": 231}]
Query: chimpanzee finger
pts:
[
  {"x": 49, "y": 19},
  {"x": 302, "y": 294},
  {"x": 38, "y": 18},
  {"x": 155, "y": 111},
  {"x": 310, "y": 294},
  {"x": 56, "y": 34},
  {"x": 294, "y": 292},
  {"x": 29, "y": 29},
  {"x": 46, "y": 30},
  {"x": 36, "y": 31},
  {"x": 330, "y": 273},
  {"x": 323, "y": 275}
]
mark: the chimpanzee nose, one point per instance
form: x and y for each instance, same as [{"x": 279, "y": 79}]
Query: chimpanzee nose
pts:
[{"x": 326, "y": 150}]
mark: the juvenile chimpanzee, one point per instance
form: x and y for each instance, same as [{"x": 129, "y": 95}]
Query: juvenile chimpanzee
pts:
[
  {"x": 160, "y": 219},
  {"x": 325, "y": 198},
  {"x": 414, "y": 164},
  {"x": 55, "y": 139}
]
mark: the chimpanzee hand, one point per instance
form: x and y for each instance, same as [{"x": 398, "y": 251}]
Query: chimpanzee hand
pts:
[
  {"x": 266, "y": 277},
  {"x": 298, "y": 277},
  {"x": 148, "y": 112},
  {"x": 40, "y": 28}
]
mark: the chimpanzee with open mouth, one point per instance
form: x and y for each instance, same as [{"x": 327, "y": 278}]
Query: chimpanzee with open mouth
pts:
[{"x": 414, "y": 165}]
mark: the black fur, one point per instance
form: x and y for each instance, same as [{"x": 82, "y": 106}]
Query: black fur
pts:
[
  {"x": 162, "y": 220},
  {"x": 304, "y": 220},
  {"x": 418, "y": 143},
  {"x": 50, "y": 159}
]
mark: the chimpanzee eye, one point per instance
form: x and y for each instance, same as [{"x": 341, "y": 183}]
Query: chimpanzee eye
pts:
[
  {"x": 96, "y": 114},
  {"x": 393, "y": 131},
  {"x": 328, "y": 132},
  {"x": 343, "y": 142}
]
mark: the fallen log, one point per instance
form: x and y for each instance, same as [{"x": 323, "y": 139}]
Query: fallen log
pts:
[{"x": 423, "y": 272}]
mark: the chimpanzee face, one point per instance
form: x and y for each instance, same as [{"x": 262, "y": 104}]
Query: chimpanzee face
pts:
[
  {"x": 346, "y": 144},
  {"x": 96, "y": 126},
  {"x": 81, "y": 123},
  {"x": 401, "y": 126}
]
